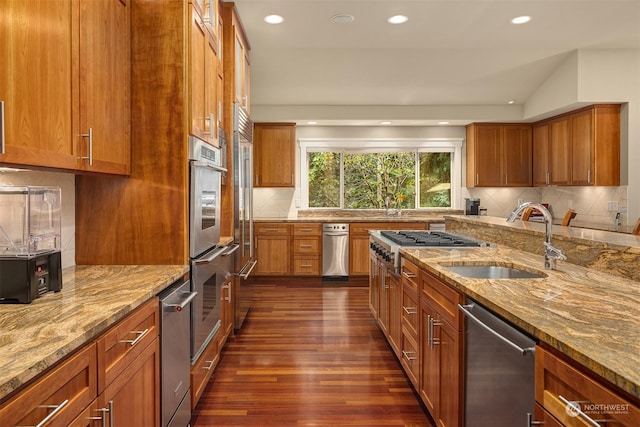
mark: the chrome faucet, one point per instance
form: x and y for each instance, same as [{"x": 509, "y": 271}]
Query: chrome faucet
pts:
[{"x": 551, "y": 254}]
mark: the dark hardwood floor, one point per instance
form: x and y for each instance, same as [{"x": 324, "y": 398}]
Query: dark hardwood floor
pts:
[{"x": 309, "y": 354}]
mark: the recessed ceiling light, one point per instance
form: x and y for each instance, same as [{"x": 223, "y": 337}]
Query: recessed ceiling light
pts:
[
  {"x": 397, "y": 19},
  {"x": 512, "y": 101},
  {"x": 521, "y": 19},
  {"x": 385, "y": 123},
  {"x": 342, "y": 18},
  {"x": 443, "y": 123},
  {"x": 312, "y": 123},
  {"x": 273, "y": 19}
]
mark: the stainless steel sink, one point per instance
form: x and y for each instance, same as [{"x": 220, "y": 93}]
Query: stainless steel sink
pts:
[{"x": 493, "y": 272}]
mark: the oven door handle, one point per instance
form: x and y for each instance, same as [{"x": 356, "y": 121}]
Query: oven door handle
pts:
[
  {"x": 246, "y": 270},
  {"x": 231, "y": 250},
  {"x": 210, "y": 257},
  {"x": 523, "y": 351},
  {"x": 207, "y": 165}
]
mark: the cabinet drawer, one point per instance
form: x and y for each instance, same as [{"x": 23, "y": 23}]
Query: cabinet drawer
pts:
[
  {"x": 409, "y": 356},
  {"x": 66, "y": 390},
  {"x": 306, "y": 246},
  {"x": 202, "y": 370},
  {"x": 314, "y": 229},
  {"x": 306, "y": 265},
  {"x": 444, "y": 298},
  {"x": 410, "y": 274},
  {"x": 558, "y": 381},
  {"x": 121, "y": 344},
  {"x": 272, "y": 228},
  {"x": 410, "y": 310},
  {"x": 91, "y": 417}
]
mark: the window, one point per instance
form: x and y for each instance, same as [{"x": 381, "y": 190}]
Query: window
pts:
[{"x": 380, "y": 175}]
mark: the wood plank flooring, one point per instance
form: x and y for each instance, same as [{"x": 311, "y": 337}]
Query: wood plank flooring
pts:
[{"x": 309, "y": 354}]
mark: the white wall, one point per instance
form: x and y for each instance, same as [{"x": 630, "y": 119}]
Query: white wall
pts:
[{"x": 66, "y": 182}]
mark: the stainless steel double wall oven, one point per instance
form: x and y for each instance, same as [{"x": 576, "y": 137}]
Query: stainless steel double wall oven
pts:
[{"x": 210, "y": 263}]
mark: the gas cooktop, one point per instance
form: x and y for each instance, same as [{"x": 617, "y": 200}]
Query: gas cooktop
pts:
[{"x": 428, "y": 238}]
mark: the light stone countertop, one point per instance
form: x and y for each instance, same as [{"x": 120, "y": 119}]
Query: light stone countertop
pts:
[
  {"x": 35, "y": 336},
  {"x": 591, "y": 316}
]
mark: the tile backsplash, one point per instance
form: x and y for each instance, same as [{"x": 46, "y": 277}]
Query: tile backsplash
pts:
[
  {"x": 66, "y": 182},
  {"x": 590, "y": 203}
]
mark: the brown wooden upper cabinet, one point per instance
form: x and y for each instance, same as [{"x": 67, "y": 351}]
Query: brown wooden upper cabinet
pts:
[
  {"x": 498, "y": 155},
  {"x": 203, "y": 79},
  {"x": 274, "y": 154},
  {"x": 578, "y": 148},
  {"x": 66, "y": 86}
]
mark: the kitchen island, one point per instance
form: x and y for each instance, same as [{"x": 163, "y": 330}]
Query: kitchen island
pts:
[{"x": 36, "y": 336}]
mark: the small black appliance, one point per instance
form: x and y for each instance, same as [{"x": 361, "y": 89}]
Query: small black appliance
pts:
[{"x": 472, "y": 207}]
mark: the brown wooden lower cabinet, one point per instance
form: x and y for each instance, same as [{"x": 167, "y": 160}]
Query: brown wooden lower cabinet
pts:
[
  {"x": 202, "y": 370},
  {"x": 559, "y": 382},
  {"x": 114, "y": 380},
  {"x": 133, "y": 398}
]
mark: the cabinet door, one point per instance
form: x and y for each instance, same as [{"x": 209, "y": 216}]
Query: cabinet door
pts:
[
  {"x": 359, "y": 255},
  {"x": 36, "y": 83},
  {"x": 560, "y": 152},
  {"x": 374, "y": 286},
  {"x": 105, "y": 68},
  {"x": 488, "y": 156},
  {"x": 395, "y": 313},
  {"x": 541, "y": 155},
  {"x": 133, "y": 398},
  {"x": 582, "y": 148},
  {"x": 197, "y": 84},
  {"x": 517, "y": 156},
  {"x": 449, "y": 341},
  {"x": 274, "y": 149},
  {"x": 430, "y": 362},
  {"x": 273, "y": 255}
]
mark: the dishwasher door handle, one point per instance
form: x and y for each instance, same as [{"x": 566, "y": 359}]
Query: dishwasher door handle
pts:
[{"x": 523, "y": 351}]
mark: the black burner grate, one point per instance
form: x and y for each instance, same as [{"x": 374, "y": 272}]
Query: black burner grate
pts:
[{"x": 427, "y": 238}]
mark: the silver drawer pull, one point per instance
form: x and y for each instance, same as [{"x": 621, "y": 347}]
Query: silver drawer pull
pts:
[
  {"x": 410, "y": 311},
  {"x": 405, "y": 354},
  {"x": 574, "y": 408},
  {"x": 306, "y": 246},
  {"x": 409, "y": 275},
  {"x": 56, "y": 409},
  {"x": 138, "y": 338},
  {"x": 208, "y": 368},
  {"x": 2, "y": 143}
]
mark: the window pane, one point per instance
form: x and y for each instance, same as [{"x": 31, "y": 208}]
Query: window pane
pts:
[
  {"x": 373, "y": 178},
  {"x": 435, "y": 180},
  {"x": 324, "y": 180}
]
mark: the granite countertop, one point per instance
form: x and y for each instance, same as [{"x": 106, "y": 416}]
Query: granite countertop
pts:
[
  {"x": 588, "y": 235},
  {"x": 350, "y": 219},
  {"x": 37, "y": 335},
  {"x": 591, "y": 316}
]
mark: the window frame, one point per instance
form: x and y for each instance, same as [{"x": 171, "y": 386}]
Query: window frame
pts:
[{"x": 368, "y": 145}]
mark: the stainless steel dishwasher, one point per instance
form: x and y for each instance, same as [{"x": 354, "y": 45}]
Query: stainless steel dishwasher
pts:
[
  {"x": 335, "y": 251},
  {"x": 175, "y": 354},
  {"x": 499, "y": 370}
]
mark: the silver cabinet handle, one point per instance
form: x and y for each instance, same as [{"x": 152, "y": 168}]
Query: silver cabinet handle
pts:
[
  {"x": 246, "y": 270},
  {"x": 306, "y": 265},
  {"x": 231, "y": 250},
  {"x": 211, "y": 123},
  {"x": 137, "y": 339},
  {"x": 531, "y": 422},
  {"x": 409, "y": 275},
  {"x": 56, "y": 409},
  {"x": 2, "y": 143},
  {"x": 182, "y": 305},
  {"x": 548, "y": 178},
  {"x": 576, "y": 408},
  {"x": 112, "y": 415},
  {"x": 410, "y": 311},
  {"x": 90, "y": 136},
  {"x": 228, "y": 297},
  {"x": 306, "y": 246},
  {"x": 589, "y": 176},
  {"x": 208, "y": 368},
  {"x": 523, "y": 351},
  {"x": 405, "y": 354}
]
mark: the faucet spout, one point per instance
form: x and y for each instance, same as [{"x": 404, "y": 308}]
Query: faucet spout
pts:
[{"x": 551, "y": 254}]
